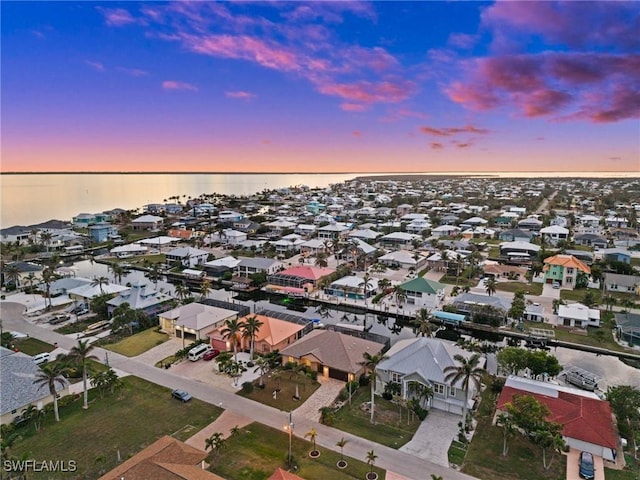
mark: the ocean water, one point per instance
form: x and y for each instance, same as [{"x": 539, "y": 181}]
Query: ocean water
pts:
[{"x": 28, "y": 199}]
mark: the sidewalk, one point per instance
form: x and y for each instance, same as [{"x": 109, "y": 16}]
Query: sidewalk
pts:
[
  {"x": 223, "y": 424},
  {"x": 323, "y": 397}
]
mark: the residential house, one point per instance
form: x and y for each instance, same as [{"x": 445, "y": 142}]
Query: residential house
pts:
[
  {"x": 313, "y": 247},
  {"x": 554, "y": 234},
  {"x": 416, "y": 227},
  {"x": 423, "y": 361},
  {"x": 102, "y": 232},
  {"x": 533, "y": 312},
  {"x": 616, "y": 222},
  {"x": 398, "y": 240},
  {"x": 194, "y": 321},
  {"x": 273, "y": 334},
  {"x": 352, "y": 287},
  {"x": 564, "y": 269},
  {"x": 403, "y": 259},
  {"x": 616, "y": 255},
  {"x": 246, "y": 226},
  {"x": 333, "y": 231},
  {"x": 147, "y": 222},
  {"x": 587, "y": 422},
  {"x": 531, "y": 224},
  {"x": 515, "y": 235},
  {"x": 628, "y": 327},
  {"x": 129, "y": 250},
  {"x": 218, "y": 267},
  {"x": 16, "y": 234},
  {"x": 578, "y": 315},
  {"x": 165, "y": 459},
  {"x": 298, "y": 280},
  {"x": 83, "y": 220},
  {"x": 471, "y": 303},
  {"x": 423, "y": 292},
  {"x": 615, "y": 282},
  {"x": 249, "y": 265},
  {"x": 141, "y": 297},
  {"x": 473, "y": 222},
  {"x": 445, "y": 231},
  {"x": 305, "y": 230},
  {"x": 331, "y": 354},
  {"x": 17, "y": 374},
  {"x": 85, "y": 293},
  {"x": 188, "y": 257},
  {"x": 229, "y": 216},
  {"x": 280, "y": 227},
  {"x": 591, "y": 240}
]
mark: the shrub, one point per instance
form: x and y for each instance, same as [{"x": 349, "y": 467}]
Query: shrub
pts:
[
  {"x": 363, "y": 381},
  {"x": 388, "y": 396},
  {"x": 247, "y": 387},
  {"x": 290, "y": 365}
]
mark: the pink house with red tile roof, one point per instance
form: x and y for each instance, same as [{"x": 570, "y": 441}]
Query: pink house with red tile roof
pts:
[
  {"x": 299, "y": 279},
  {"x": 587, "y": 422}
]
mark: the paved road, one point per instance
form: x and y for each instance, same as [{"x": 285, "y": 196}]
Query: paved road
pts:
[{"x": 388, "y": 458}]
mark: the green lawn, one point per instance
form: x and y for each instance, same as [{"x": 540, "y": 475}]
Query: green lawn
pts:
[
  {"x": 287, "y": 384},
  {"x": 524, "y": 461},
  {"x": 257, "y": 450},
  {"x": 630, "y": 472},
  {"x": 578, "y": 295},
  {"x": 77, "y": 327},
  {"x": 513, "y": 287},
  {"x": 33, "y": 346},
  {"x": 460, "y": 281},
  {"x": 138, "y": 343},
  {"x": 93, "y": 437},
  {"x": 389, "y": 428},
  {"x": 456, "y": 453}
]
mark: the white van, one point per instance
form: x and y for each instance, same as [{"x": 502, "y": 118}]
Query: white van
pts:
[
  {"x": 41, "y": 358},
  {"x": 196, "y": 353}
]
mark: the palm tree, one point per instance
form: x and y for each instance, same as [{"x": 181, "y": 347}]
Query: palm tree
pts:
[
  {"x": 46, "y": 239},
  {"x": 251, "y": 328},
  {"x": 118, "y": 271},
  {"x": 11, "y": 274},
  {"x": 468, "y": 374},
  {"x": 48, "y": 276},
  {"x": 50, "y": 375},
  {"x": 490, "y": 286},
  {"x": 99, "y": 282},
  {"x": 312, "y": 434},
  {"x": 182, "y": 291},
  {"x": 263, "y": 366},
  {"x": 423, "y": 324},
  {"x": 205, "y": 288},
  {"x": 341, "y": 443},
  {"x": 321, "y": 260},
  {"x": 383, "y": 284},
  {"x": 370, "y": 363},
  {"x": 371, "y": 460},
  {"x": 215, "y": 443},
  {"x": 80, "y": 354},
  {"x": 232, "y": 328},
  {"x": 30, "y": 280}
]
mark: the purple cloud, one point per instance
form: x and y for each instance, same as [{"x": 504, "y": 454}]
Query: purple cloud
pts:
[{"x": 174, "y": 85}]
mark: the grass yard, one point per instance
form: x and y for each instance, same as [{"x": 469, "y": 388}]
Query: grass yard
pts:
[
  {"x": 456, "y": 453},
  {"x": 513, "y": 287},
  {"x": 257, "y": 450},
  {"x": 32, "y": 346},
  {"x": 578, "y": 295},
  {"x": 390, "y": 429},
  {"x": 77, "y": 327},
  {"x": 138, "y": 343},
  {"x": 524, "y": 461},
  {"x": 92, "y": 438},
  {"x": 630, "y": 472},
  {"x": 287, "y": 384},
  {"x": 461, "y": 281}
]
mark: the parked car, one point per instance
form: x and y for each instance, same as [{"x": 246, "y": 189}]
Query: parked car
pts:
[
  {"x": 210, "y": 355},
  {"x": 41, "y": 358},
  {"x": 556, "y": 285},
  {"x": 181, "y": 395},
  {"x": 82, "y": 311},
  {"x": 587, "y": 469}
]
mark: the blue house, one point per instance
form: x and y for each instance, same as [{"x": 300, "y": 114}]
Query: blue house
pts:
[
  {"x": 100, "y": 232},
  {"x": 617, "y": 255}
]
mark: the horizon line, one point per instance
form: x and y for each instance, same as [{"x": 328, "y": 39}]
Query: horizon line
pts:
[{"x": 208, "y": 172}]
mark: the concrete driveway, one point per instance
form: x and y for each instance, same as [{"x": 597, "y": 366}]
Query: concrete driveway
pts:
[
  {"x": 573, "y": 461},
  {"x": 433, "y": 437}
]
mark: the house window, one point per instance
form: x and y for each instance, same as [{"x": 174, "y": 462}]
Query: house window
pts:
[
  {"x": 452, "y": 391},
  {"x": 439, "y": 389},
  {"x": 570, "y": 271},
  {"x": 569, "y": 279},
  {"x": 396, "y": 377}
]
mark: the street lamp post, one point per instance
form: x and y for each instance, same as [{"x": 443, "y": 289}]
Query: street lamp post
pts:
[{"x": 289, "y": 428}]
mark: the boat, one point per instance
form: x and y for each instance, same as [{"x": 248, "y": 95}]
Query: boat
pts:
[{"x": 581, "y": 379}]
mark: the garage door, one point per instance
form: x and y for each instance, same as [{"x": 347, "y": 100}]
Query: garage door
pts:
[{"x": 338, "y": 375}]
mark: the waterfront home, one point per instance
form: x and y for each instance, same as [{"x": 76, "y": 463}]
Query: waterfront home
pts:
[
  {"x": 333, "y": 231},
  {"x": 352, "y": 287},
  {"x": 194, "y": 321},
  {"x": 165, "y": 459},
  {"x": 554, "y": 234},
  {"x": 515, "y": 235},
  {"x": 578, "y": 315},
  {"x": 471, "y": 304},
  {"x": 531, "y": 224},
  {"x": 102, "y": 232},
  {"x": 423, "y": 361},
  {"x": 158, "y": 242},
  {"x": 297, "y": 280},
  {"x": 217, "y": 268},
  {"x": 504, "y": 272},
  {"x": 564, "y": 270},
  {"x": 423, "y": 293},
  {"x": 587, "y": 422},
  {"x": 247, "y": 266},
  {"x": 628, "y": 327},
  {"x": 591, "y": 240},
  {"x": 142, "y": 298},
  {"x": 398, "y": 240},
  {"x": 533, "y": 312},
  {"x": 188, "y": 257},
  {"x": 518, "y": 248},
  {"x": 229, "y": 216},
  {"x": 616, "y": 255},
  {"x": 129, "y": 250},
  {"x": 85, "y": 293},
  {"x": 17, "y": 374},
  {"x": 331, "y": 354},
  {"x": 403, "y": 259},
  {"x": 147, "y": 222},
  {"x": 273, "y": 334}
]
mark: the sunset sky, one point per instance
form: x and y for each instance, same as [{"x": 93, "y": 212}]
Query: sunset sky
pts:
[{"x": 320, "y": 87}]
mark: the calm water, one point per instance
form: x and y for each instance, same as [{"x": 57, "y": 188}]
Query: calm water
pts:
[{"x": 31, "y": 199}]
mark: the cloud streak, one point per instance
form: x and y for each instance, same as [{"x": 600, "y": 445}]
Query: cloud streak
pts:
[
  {"x": 240, "y": 95},
  {"x": 175, "y": 85}
]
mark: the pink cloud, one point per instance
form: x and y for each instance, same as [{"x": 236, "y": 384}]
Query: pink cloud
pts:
[
  {"x": 386, "y": 91},
  {"x": 266, "y": 141},
  {"x": 174, "y": 85},
  {"x": 354, "y": 107},
  {"x": 436, "y": 146},
  {"x": 376, "y": 59},
  {"x": 117, "y": 17},
  {"x": 462, "y": 40},
  {"x": 95, "y": 65},
  {"x": 449, "y": 131},
  {"x": 356, "y": 133},
  {"x": 241, "y": 95},
  {"x": 595, "y": 86}
]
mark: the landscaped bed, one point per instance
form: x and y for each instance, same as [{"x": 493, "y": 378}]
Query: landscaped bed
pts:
[
  {"x": 95, "y": 437},
  {"x": 285, "y": 381},
  {"x": 138, "y": 343},
  {"x": 257, "y": 450},
  {"x": 394, "y": 425}
]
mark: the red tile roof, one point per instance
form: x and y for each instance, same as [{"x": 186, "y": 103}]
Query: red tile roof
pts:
[
  {"x": 310, "y": 273},
  {"x": 567, "y": 261},
  {"x": 583, "y": 418},
  {"x": 281, "y": 474}
]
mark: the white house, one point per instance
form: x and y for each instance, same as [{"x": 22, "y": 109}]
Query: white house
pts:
[
  {"x": 188, "y": 257},
  {"x": 578, "y": 315}
]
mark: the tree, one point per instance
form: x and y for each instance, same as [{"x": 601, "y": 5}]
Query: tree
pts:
[
  {"x": 106, "y": 380},
  {"x": 540, "y": 362},
  {"x": 48, "y": 276},
  {"x": 371, "y": 459},
  {"x": 123, "y": 316},
  {"x": 490, "y": 286},
  {"x": 421, "y": 391},
  {"x": 230, "y": 332},
  {"x": 312, "y": 434},
  {"x": 321, "y": 260},
  {"x": 341, "y": 443},
  {"x": 118, "y": 271},
  {"x": 527, "y": 413},
  {"x": 99, "y": 282},
  {"x": 262, "y": 366},
  {"x": 46, "y": 237},
  {"x": 205, "y": 288},
  {"x": 625, "y": 403},
  {"x": 467, "y": 374},
  {"x": 182, "y": 291},
  {"x": 589, "y": 299},
  {"x": 11, "y": 274},
  {"x": 251, "y": 328},
  {"x": 609, "y": 301},
  {"x": 215, "y": 443},
  {"x": 422, "y": 323},
  {"x": 79, "y": 354},
  {"x": 505, "y": 422},
  {"x": 517, "y": 306},
  {"x": 50, "y": 375},
  {"x": 549, "y": 438},
  {"x": 512, "y": 360},
  {"x": 370, "y": 363},
  {"x": 32, "y": 414}
]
